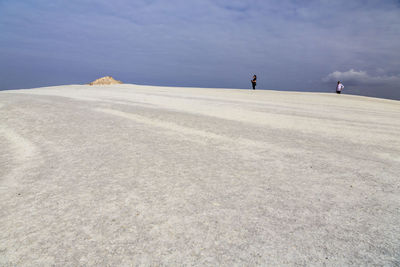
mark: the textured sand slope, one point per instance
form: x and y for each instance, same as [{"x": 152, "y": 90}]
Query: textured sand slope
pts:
[{"x": 127, "y": 174}]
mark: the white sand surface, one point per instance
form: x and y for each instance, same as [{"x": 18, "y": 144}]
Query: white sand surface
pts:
[{"x": 138, "y": 175}]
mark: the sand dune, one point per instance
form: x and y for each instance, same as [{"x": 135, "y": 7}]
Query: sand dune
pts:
[
  {"x": 128, "y": 174},
  {"x": 107, "y": 80}
]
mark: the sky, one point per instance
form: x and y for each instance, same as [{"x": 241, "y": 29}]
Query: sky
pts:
[{"x": 295, "y": 45}]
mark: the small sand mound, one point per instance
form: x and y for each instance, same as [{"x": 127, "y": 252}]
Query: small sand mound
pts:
[{"x": 105, "y": 81}]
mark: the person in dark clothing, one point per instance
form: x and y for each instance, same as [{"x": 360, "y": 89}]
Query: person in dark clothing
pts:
[{"x": 254, "y": 82}]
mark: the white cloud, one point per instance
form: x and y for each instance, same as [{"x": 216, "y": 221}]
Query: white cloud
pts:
[
  {"x": 362, "y": 78},
  {"x": 362, "y": 83}
]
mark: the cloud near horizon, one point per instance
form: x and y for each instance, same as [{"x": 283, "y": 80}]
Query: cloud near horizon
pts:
[
  {"x": 289, "y": 44},
  {"x": 362, "y": 83}
]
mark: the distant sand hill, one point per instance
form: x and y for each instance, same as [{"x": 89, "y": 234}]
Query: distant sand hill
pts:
[{"x": 105, "y": 81}]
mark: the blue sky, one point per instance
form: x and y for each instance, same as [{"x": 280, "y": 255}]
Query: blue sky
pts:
[{"x": 289, "y": 44}]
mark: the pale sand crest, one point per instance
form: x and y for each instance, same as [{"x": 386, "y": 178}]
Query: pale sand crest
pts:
[{"x": 139, "y": 175}]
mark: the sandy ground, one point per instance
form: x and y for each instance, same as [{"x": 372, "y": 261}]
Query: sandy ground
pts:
[{"x": 139, "y": 175}]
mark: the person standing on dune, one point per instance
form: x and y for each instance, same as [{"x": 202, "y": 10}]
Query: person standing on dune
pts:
[
  {"x": 339, "y": 87},
  {"x": 254, "y": 82}
]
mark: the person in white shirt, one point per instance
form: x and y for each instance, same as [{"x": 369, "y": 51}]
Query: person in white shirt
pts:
[{"x": 339, "y": 87}]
